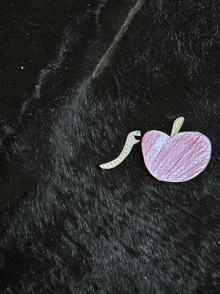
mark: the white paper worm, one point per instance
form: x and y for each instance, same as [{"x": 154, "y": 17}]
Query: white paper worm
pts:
[{"x": 126, "y": 150}]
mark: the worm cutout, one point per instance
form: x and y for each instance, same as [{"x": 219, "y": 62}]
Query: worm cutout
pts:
[{"x": 126, "y": 150}]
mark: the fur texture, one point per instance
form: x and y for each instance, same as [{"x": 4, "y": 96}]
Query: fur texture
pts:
[{"x": 66, "y": 225}]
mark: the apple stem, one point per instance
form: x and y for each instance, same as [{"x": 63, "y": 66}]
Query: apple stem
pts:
[{"x": 177, "y": 125}]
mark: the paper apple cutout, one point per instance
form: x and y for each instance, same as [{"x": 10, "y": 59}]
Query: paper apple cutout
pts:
[{"x": 176, "y": 158}]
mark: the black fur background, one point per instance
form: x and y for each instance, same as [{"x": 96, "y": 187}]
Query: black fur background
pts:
[{"x": 66, "y": 225}]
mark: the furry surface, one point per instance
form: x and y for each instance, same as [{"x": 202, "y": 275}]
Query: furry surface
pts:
[{"x": 66, "y": 225}]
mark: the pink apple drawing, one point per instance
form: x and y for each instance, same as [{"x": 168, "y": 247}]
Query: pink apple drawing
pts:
[{"x": 176, "y": 158}]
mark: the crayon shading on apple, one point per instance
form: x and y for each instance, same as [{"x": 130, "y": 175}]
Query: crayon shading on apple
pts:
[{"x": 178, "y": 158}]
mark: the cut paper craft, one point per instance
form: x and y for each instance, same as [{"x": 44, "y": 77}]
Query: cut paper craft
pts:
[
  {"x": 176, "y": 158},
  {"x": 177, "y": 125},
  {"x": 126, "y": 150}
]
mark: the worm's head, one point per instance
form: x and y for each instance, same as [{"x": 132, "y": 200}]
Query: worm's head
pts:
[{"x": 132, "y": 138}]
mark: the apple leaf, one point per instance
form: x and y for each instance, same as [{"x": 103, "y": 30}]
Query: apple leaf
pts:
[{"x": 177, "y": 125}]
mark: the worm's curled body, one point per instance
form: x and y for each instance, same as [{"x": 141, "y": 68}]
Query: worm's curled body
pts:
[{"x": 126, "y": 150}]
